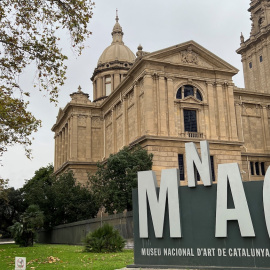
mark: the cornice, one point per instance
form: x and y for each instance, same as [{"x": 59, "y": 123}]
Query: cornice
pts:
[
  {"x": 69, "y": 106},
  {"x": 178, "y": 139},
  {"x": 242, "y": 91},
  {"x": 254, "y": 40},
  {"x": 65, "y": 165},
  {"x": 193, "y": 66}
]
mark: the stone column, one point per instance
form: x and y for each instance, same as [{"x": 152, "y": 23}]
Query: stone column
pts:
[
  {"x": 136, "y": 108},
  {"x": 206, "y": 129},
  {"x": 116, "y": 80},
  {"x": 181, "y": 119},
  {"x": 103, "y": 87},
  {"x": 104, "y": 137},
  {"x": 99, "y": 87},
  {"x": 114, "y": 148},
  {"x": 74, "y": 138},
  {"x": 55, "y": 152},
  {"x": 66, "y": 142},
  {"x": 232, "y": 117},
  {"x": 69, "y": 139},
  {"x": 88, "y": 143},
  {"x": 171, "y": 114},
  {"x": 212, "y": 111},
  {"x": 266, "y": 60},
  {"x": 94, "y": 89},
  {"x": 163, "y": 107},
  {"x": 245, "y": 69},
  {"x": 150, "y": 126},
  {"x": 260, "y": 168},
  {"x": 266, "y": 127},
  {"x": 61, "y": 147},
  {"x": 221, "y": 112},
  {"x": 238, "y": 108},
  {"x": 201, "y": 121},
  {"x": 112, "y": 83},
  {"x": 125, "y": 141}
]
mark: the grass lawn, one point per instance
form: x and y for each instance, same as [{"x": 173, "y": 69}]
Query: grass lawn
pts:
[{"x": 62, "y": 257}]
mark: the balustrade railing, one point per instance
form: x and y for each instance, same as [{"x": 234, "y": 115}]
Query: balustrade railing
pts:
[{"x": 189, "y": 134}]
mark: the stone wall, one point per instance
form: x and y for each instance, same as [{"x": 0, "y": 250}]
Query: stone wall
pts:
[{"x": 74, "y": 233}]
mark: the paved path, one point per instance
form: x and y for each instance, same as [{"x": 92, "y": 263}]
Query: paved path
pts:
[{"x": 6, "y": 241}]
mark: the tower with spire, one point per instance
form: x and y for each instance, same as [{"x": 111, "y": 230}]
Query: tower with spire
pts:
[
  {"x": 255, "y": 50},
  {"x": 113, "y": 64}
]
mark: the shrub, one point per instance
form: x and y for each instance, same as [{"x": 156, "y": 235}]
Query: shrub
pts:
[
  {"x": 24, "y": 232},
  {"x": 104, "y": 239}
]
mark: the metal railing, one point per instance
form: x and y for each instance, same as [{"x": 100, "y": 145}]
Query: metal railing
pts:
[{"x": 188, "y": 134}]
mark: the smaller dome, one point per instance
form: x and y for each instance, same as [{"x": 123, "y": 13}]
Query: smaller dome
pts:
[{"x": 117, "y": 51}]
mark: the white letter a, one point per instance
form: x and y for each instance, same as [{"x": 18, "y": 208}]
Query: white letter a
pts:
[{"x": 230, "y": 173}]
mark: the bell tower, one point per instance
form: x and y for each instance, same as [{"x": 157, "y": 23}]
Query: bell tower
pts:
[{"x": 255, "y": 51}]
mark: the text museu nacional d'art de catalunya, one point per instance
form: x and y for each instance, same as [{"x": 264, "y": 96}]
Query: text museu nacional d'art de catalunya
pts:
[{"x": 209, "y": 222}]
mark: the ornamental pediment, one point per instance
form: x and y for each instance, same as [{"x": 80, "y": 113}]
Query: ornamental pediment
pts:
[{"x": 191, "y": 54}]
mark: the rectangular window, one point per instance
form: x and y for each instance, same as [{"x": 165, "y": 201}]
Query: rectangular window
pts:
[
  {"x": 261, "y": 58},
  {"x": 250, "y": 64},
  {"x": 263, "y": 168},
  {"x": 197, "y": 175},
  {"x": 212, "y": 168},
  {"x": 181, "y": 166},
  {"x": 257, "y": 169},
  {"x": 252, "y": 168},
  {"x": 190, "y": 120},
  {"x": 108, "y": 86}
]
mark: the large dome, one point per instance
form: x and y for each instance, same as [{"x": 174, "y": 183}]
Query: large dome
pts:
[{"x": 117, "y": 51}]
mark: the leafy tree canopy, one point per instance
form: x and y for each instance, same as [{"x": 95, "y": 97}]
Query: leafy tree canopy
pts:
[
  {"x": 3, "y": 186},
  {"x": 114, "y": 180},
  {"x": 61, "y": 199},
  {"x": 11, "y": 207},
  {"x": 29, "y": 33}
]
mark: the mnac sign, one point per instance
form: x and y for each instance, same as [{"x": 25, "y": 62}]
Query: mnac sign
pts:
[{"x": 211, "y": 226}]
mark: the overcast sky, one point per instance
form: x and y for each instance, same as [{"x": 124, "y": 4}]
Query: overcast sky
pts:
[{"x": 155, "y": 24}]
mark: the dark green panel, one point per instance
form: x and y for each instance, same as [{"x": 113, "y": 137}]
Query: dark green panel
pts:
[{"x": 198, "y": 208}]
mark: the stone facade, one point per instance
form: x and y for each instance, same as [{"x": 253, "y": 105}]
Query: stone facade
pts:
[{"x": 163, "y": 99}]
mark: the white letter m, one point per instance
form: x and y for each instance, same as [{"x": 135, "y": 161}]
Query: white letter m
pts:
[{"x": 147, "y": 184}]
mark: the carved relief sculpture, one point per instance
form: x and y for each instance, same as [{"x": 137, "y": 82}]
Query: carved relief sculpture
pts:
[{"x": 189, "y": 57}]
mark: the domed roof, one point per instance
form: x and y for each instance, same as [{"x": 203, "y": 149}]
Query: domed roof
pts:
[{"x": 117, "y": 51}]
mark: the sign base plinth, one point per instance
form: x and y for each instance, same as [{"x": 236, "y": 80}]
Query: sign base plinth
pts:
[
  {"x": 162, "y": 267},
  {"x": 199, "y": 248}
]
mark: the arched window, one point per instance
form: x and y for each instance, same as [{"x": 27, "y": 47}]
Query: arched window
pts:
[
  {"x": 199, "y": 95},
  {"x": 188, "y": 90},
  {"x": 179, "y": 93}
]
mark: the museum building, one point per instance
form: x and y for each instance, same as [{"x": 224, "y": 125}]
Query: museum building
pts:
[{"x": 163, "y": 99}]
